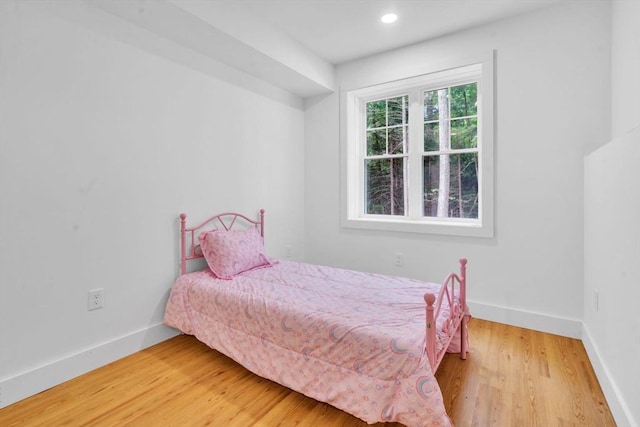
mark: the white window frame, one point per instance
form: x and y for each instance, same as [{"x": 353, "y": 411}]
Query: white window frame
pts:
[{"x": 353, "y": 101}]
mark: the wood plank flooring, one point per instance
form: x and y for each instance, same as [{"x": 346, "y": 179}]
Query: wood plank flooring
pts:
[{"x": 512, "y": 377}]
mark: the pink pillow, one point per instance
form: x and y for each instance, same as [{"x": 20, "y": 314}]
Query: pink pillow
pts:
[{"x": 232, "y": 252}]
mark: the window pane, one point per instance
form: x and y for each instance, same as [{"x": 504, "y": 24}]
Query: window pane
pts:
[
  {"x": 431, "y": 136},
  {"x": 398, "y": 140},
  {"x": 376, "y": 114},
  {"x": 451, "y": 185},
  {"x": 385, "y": 186},
  {"x": 376, "y": 142},
  {"x": 398, "y": 110},
  {"x": 431, "y": 105},
  {"x": 463, "y": 100},
  {"x": 464, "y": 133}
]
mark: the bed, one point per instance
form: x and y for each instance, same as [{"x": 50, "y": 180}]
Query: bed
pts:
[{"x": 365, "y": 343}]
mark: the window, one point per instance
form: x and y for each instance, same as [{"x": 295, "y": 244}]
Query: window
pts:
[
  {"x": 450, "y": 158},
  {"x": 385, "y": 159},
  {"x": 418, "y": 153}
]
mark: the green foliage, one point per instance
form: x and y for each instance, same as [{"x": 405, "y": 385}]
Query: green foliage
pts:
[
  {"x": 463, "y": 185},
  {"x": 386, "y": 134},
  {"x": 385, "y": 186},
  {"x": 464, "y": 133},
  {"x": 463, "y": 100},
  {"x": 387, "y": 126},
  {"x": 376, "y": 114},
  {"x": 398, "y": 111},
  {"x": 463, "y": 120},
  {"x": 462, "y": 123}
]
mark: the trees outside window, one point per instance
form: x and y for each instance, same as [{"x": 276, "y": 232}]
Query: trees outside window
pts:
[
  {"x": 449, "y": 153},
  {"x": 450, "y": 165},
  {"x": 386, "y": 155}
]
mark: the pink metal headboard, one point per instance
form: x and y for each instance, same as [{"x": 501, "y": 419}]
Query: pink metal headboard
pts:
[{"x": 225, "y": 220}]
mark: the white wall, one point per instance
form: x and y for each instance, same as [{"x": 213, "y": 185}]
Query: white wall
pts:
[
  {"x": 102, "y": 145},
  {"x": 625, "y": 66},
  {"x": 612, "y": 270},
  {"x": 552, "y": 106},
  {"x": 611, "y": 231}
]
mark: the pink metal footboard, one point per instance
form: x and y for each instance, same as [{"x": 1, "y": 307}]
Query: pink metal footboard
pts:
[
  {"x": 458, "y": 317},
  {"x": 225, "y": 220}
]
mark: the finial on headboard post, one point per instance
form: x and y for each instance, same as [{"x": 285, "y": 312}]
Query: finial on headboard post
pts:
[
  {"x": 463, "y": 269},
  {"x": 430, "y": 299},
  {"x": 262, "y": 222}
]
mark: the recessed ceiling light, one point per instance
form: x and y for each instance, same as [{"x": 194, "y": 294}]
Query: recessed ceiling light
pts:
[{"x": 389, "y": 18}]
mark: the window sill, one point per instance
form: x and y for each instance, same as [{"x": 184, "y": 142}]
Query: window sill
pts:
[{"x": 442, "y": 226}]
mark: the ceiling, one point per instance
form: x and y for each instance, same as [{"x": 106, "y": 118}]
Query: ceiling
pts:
[
  {"x": 294, "y": 45},
  {"x": 343, "y": 30}
]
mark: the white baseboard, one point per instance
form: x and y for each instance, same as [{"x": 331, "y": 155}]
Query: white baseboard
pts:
[
  {"x": 571, "y": 328},
  {"x": 619, "y": 408},
  {"x": 44, "y": 377}
]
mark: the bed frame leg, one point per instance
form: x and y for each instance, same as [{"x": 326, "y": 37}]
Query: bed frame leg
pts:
[{"x": 464, "y": 344}]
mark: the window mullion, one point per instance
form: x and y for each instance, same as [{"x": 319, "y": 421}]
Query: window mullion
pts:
[{"x": 416, "y": 143}]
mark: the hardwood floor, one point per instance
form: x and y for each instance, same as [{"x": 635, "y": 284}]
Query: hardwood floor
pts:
[
  {"x": 512, "y": 377},
  {"x": 519, "y": 377}
]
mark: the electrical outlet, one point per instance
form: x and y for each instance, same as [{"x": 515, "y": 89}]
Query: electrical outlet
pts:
[
  {"x": 289, "y": 251},
  {"x": 399, "y": 259},
  {"x": 596, "y": 299},
  {"x": 95, "y": 299}
]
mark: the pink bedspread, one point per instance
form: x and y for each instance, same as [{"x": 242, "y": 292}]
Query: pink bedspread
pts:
[{"x": 354, "y": 340}]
